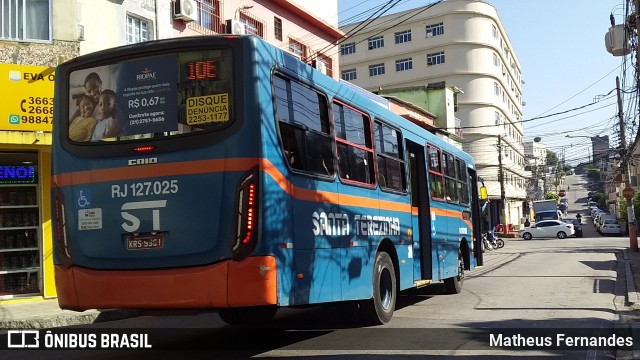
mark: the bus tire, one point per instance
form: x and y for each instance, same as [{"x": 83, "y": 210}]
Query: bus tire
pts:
[
  {"x": 379, "y": 309},
  {"x": 453, "y": 285},
  {"x": 248, "y": 315}
]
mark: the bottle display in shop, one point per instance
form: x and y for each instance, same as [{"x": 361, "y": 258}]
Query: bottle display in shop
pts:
[{"x": 20, "y": 265}]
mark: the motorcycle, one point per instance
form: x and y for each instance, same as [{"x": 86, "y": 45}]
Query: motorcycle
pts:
[
  {"x": 490, "y": 241},
  {"x": 486, "y": 244}
]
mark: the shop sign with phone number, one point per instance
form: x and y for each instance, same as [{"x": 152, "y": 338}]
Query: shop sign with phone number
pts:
[{"x": 27, "y": 95}]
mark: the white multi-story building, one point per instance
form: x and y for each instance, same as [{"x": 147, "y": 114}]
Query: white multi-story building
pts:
[
  {"x": 536, "y": 155},
  {"x": 459, "y": 43}
]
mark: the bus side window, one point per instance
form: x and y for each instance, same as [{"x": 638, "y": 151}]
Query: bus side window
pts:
[
  {"x": 292, "y": 146},
  {"x": 303, "y": 119},
  {"x": 320, "y": 156}
]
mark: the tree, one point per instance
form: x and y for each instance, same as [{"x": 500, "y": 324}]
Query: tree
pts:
[
  {"x": 552, "y": 158},
  {"x": 594, "y": 174},
  {"x": 552, "y": 196},
  {"x": 636, "y": 206},
  {"x": 601, "y": 199}
]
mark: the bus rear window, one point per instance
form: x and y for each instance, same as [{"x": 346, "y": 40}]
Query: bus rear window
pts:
[{"x": 151, "y": 97}]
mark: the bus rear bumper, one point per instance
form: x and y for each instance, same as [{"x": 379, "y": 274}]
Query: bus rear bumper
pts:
[{"x": 251, "y": 282}]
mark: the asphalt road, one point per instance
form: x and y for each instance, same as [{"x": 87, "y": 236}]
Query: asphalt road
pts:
[{"x": 536, "y": 284}]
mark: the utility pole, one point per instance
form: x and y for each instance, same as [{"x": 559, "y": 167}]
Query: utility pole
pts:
[
  {"x": 628, "y": 194},
  {"x": 503, "y": 196}
]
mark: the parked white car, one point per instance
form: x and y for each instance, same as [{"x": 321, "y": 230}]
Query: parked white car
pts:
[
  {"x": 597, "y": 223},
  {"x": 610, "y": 226},
  {"x": 547, "y": 229}
]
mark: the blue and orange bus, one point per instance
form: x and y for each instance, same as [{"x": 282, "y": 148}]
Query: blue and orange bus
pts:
[{"x": 220, "y": 172}]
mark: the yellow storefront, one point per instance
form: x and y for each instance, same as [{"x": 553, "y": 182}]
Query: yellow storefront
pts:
[{"x": 26, "y": 117}]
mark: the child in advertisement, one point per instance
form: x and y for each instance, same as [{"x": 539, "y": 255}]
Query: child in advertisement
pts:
[
  {"x": 81, "y": 127},
  {"x": 107, "y": 124}
]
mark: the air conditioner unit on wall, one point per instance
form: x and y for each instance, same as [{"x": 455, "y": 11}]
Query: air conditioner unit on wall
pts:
[
  {"x": 320, "y": 66},
  {"x": 186, "y": 10},
  {"x": 235, "y": 27}
]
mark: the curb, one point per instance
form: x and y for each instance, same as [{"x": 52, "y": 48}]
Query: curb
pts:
[
  {"x": 69, "y": 318},
  {"x": 632, "y": 295}
]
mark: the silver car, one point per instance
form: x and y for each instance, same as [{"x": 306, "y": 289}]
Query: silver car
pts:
[
  {"x": 610, "y": 226},
  {"x": 547, "y": 229}
]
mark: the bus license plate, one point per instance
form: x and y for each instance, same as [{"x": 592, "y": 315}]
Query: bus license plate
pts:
[{"x": 143, "y": 242}]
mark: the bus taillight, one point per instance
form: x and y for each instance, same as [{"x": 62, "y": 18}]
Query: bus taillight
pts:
[
  {"x": 62, "y": 241},
  {"x": 246, "y": 217}
]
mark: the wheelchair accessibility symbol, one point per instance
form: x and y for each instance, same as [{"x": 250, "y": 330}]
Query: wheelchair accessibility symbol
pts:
[{"x": 83, "y": 198}]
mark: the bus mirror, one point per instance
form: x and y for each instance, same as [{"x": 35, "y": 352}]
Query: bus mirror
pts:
[{"x": 483, "y": 193}]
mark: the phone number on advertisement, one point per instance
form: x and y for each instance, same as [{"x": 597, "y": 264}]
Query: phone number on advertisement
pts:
[
  {"x": 144, "y": 188},
  {"x": 36, "y": 119},
  {"x": 37, "y": 105}
]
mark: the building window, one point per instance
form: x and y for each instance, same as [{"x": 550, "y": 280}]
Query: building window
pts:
[
  {"x": 26, "y": 20},
  {"x": 297, "y": 48},
  {"x": 138, "y": 30},
  {"x": 403, "y": 36},
  {"x": 404, "y": 64},
  {"x": 252, "y": 25},
  {"x": 496, "y": 62},
  {"x": 377, "y": 69},
  {"x": 346, "y": 49},
  {"x": 209, "y": 15},
  {"x": 435, "y": 58},
  {"x": 495, "y": 31},
  {"x": 376, "y": 42},
  {"x": 277, "y": 28},
  {"x": 348, "y": 75},
  {"x": 435, "y": 29}
]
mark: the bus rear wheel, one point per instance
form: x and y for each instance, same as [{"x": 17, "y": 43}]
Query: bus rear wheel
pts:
[
  {"x": 379, "y": 310},
  {"x": 248, "y": 315},
  {"x": 454, "y": 284}
]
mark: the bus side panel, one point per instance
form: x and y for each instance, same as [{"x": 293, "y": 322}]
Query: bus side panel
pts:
[
  {"x": 277, "y": 229},
  {"x": 395, "y": 226},
  {"x": 450, "y": 242},
  {"x": 357, "y": 274},
  {"x": 319, "y": 231},
  {"x": 441, "y": 229}
]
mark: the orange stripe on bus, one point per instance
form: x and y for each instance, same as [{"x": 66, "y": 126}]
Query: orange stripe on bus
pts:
[
  {"x": 329, "y": 197},
  {"x": 154, "y": 170},
  {"x": 451, "y": 213},
  {"x": 220, "y": 165}
]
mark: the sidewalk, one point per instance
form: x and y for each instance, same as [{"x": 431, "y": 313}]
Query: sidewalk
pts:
[{"x": 47, "y": 314}]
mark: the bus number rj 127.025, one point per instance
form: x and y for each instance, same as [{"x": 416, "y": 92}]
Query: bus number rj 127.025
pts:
[{"x": 144, "y": 188}]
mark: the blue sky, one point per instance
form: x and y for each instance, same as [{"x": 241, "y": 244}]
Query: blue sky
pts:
[{"x": 565, "y": 65}]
